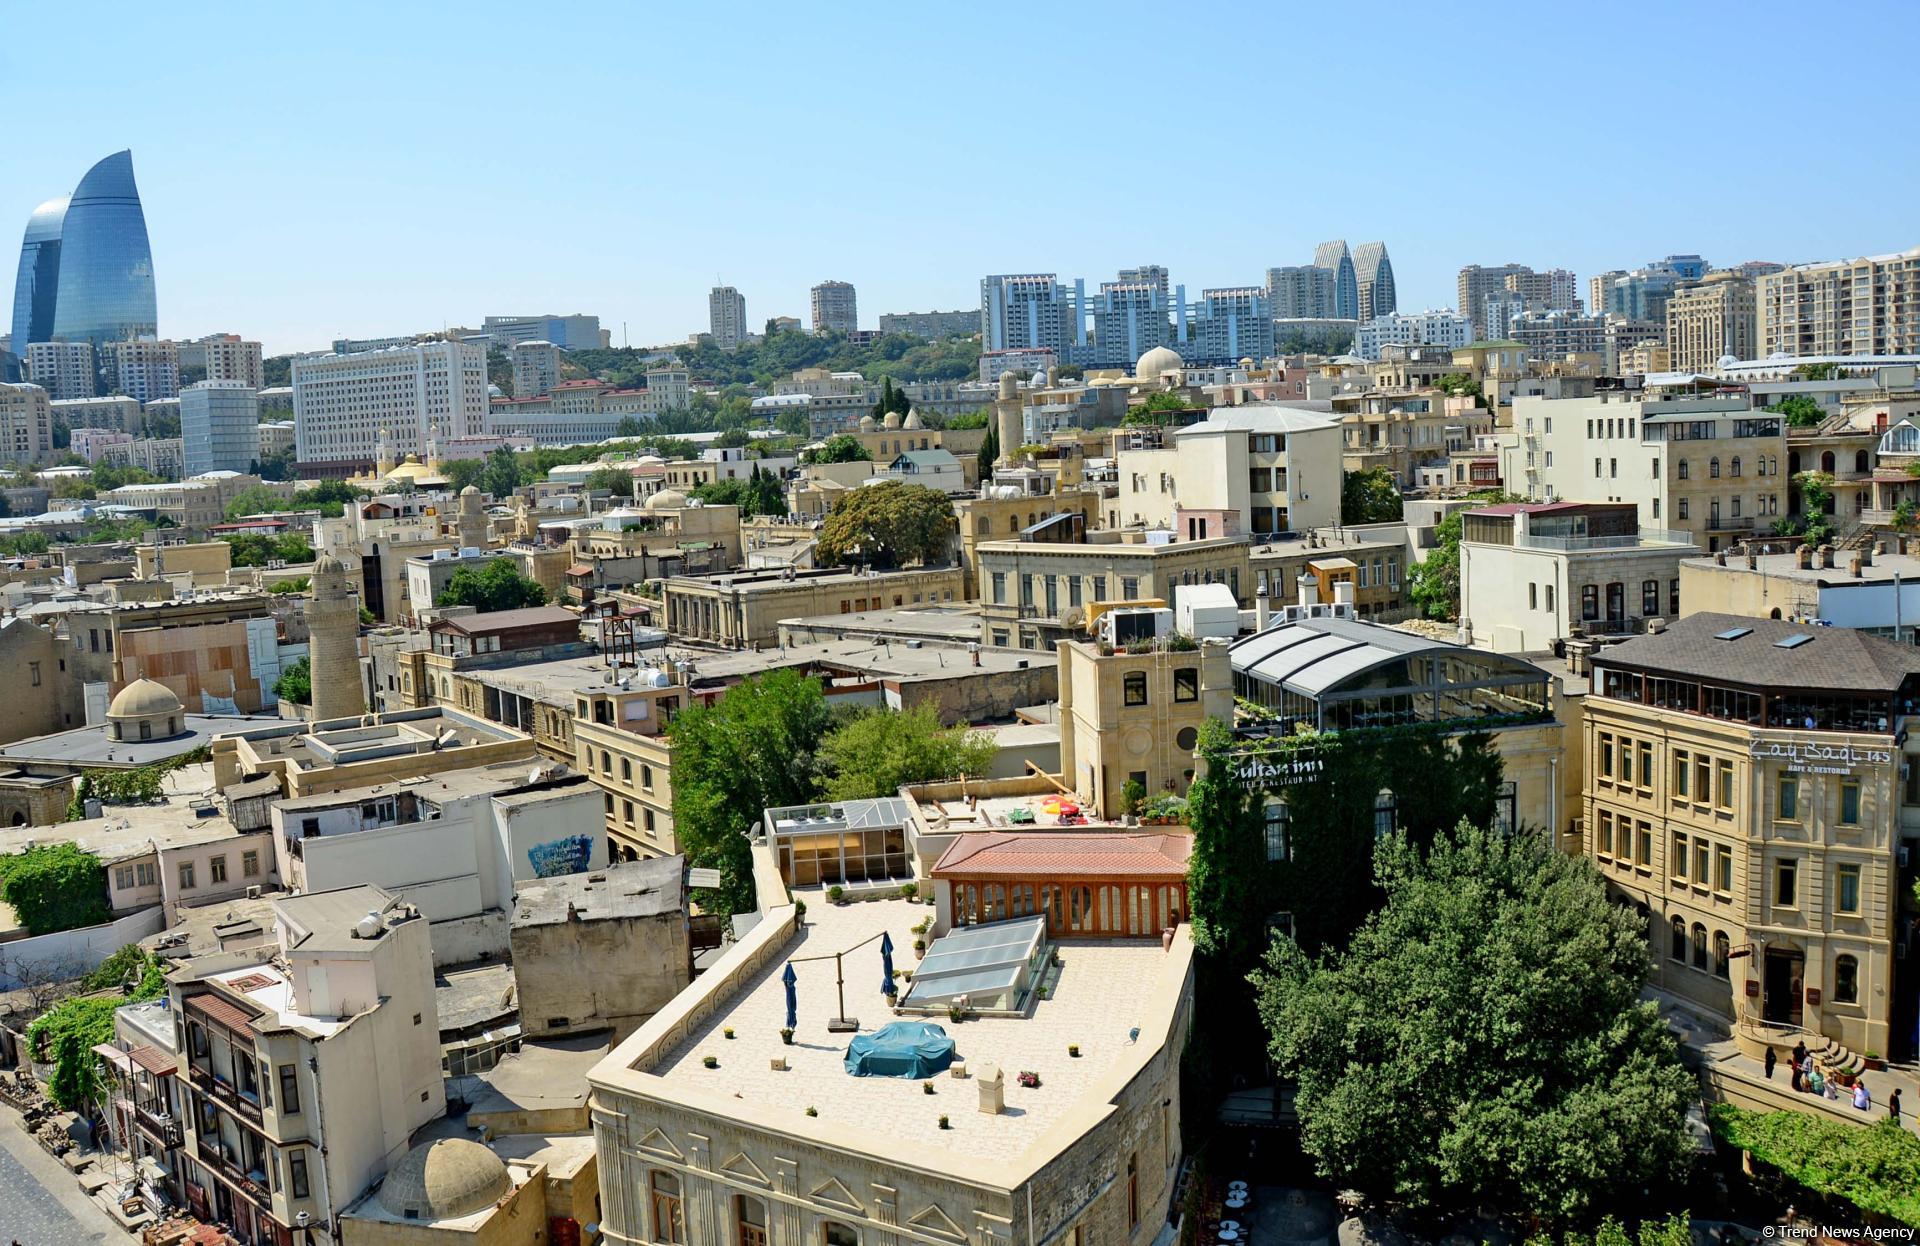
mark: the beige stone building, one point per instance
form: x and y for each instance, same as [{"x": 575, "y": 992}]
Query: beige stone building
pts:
[
  {"x": 601, "y": 950},
  {"x": 26, "y": 425},
  {"x": 1711, "y": 320},
  {"x": 1866, "y": 306},
  {"x": 1135, "y": 717},
  {"x": 1036, "y": 592},
  {"x": 1261, "y": 468},
  {"x": 1750, "y": 789},
  {"x": 310, "y": 758},
  {"x": 743, "y": 610},
  {"x": 777, "y": 1144}
]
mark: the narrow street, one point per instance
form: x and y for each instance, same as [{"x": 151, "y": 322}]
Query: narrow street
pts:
[{"x": 40, "y": 1202}]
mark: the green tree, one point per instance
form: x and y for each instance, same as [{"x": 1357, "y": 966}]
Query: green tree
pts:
[
  {"x": 615, "y": 481},
  {"x": 463, "y": 472},
  {"x": 878, "y": 751},
  {"x": 1800, "y": 411},
  {"x": 627, "y": 427},
  {"x": 257, "y": 500},
  {"x": 1461, "y": 383},
  {"x": 1877, "y": 1169},
  {"x": 1156, "y": 409},
  {"x": 295, "y": 683},
  {"x": 294, "y": 587},
  {"x": 1482, "y": 1041},
  {"x": 66, "y": 1034},
  {"x": 979, "y": 417},
  {"x": 502, "y": 475},
  {"x": 497, "y": 586},
  {"x": 989, "y": 454},
  {"x": 54, "y": 887},
  {"x": 751, "y": 750},
  {"x": 109, "y": 477},
  {"x": 1434, "y": 582},
  {"x": 1817, "y": 372},
  {"x": 888, "y": 525},
  {"x": 840, "y": 448},
  {"x": 1370, "y": 496}
]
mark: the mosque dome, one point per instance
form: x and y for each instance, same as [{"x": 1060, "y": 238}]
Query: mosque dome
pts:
[
  {"x": 445, "y": 1179},
  {"x": 868, "y": 424},
  {"x": 667, "y": 500},
  {"x": 892, "y": 420},
  {"x": 1154, "y": 363},
  {"x": 145, "y": 710}
]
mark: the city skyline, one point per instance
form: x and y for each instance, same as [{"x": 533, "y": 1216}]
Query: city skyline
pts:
[{"x": 358, "y": 221}]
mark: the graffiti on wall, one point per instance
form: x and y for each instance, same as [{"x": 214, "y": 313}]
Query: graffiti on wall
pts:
[{"x": 568, "y": 855}]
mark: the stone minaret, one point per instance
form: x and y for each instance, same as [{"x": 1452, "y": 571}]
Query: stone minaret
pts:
[
  {"x": 473, "y": 526},
  {"x": 383, "y": 456},
  {"x": 1006, "y": 417},
  {"x": 333, "y": 625}
]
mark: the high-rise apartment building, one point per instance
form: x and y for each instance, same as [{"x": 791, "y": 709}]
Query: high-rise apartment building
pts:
[
  {"x": 118, "y": 412},
  {"x": 1129, "y": 319},
  {"x": 226, "y": 357},
  {"x": 1373, "y": 276},
  {"x": 1229, "y": 325},
  {"x": 536, "y": 368},
  {"x": 727, "y": 317},
  {"x": 1028, "y": 310},
  {"x": 1711, "y": 320},
  {"x": 1867, "y": 306},
  {"x": 1154, "y": 275},
  {"x": 219, "y": 427},
  {"x": 26, "y": 424},
  {"x": 1553, "y": 290},
  {"x": 575, "y": 332},
  {"x": 1475, "y": 283},
  {"x": 341, "y": 403},
  {"x": 1301, "y": 292},
  {"x": 1336, "y": 259},
  {"x": 834, "y": 308},
  {"x": 86, "y": 271},
  {"x": 146, "y": 370},
  {"x": 1557, "y": 334},
  {"x": 1427, "y": 328},
  {"x": 64, "y": 369}
]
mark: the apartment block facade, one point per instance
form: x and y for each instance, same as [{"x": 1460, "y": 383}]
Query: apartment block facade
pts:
[{"x": 1867, "y": 306}]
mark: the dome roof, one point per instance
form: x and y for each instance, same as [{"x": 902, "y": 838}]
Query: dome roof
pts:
[
  {"x": 327, "y": 564},
  {"x": 892, "y": 420},
  {"x": 471, "y": 491},
  {"x": 667, "y": 500},
  {"x": 868, "y": 424},
  {"x": 1156, "y": 361},
  {"x": 445, "y": 1179},
  {"x": 144, "y": 698}
]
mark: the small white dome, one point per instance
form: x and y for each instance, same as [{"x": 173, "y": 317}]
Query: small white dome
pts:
[
  {"x": 1156, "y": 362},
  {"x": 667, "y": 500},
  {"x": 445, "y": 1179}
]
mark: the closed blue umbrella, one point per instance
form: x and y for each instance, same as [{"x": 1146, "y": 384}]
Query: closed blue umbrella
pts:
[
  {"x": 886, "y": 965},
  {"x": 793, "y": 1015}
]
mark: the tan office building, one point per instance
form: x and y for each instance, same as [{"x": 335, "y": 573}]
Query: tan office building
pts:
[
  {"x": 1749, "y": 788},
  {"x": 26, "y": 424},
  {"x": 743, "y": 610},
  {"x": 1708, "y": 321}
]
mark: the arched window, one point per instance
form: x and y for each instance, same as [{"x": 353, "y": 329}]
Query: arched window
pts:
[
  {"x": 1685, "y": 471},
  {"x": 1826, "y": 461},
  {"x": 1713, "y": 467},
  {"x": 1734, "y": 466},
  {"x": 1677, "y": 945},
  {"x": 833, "y": 1233},
  {"x": 626, "y": 770},
  {"x": 750, "y": 1220},
  {"x": 1846, "y": 980},
  {"x": 1722, "y": 953},
  {"x": 1699, "y": 946},
  {"x": 1386, "y": 813},
  {"x": 606, "y": 762},
  {"x": 1860, "y": 461}
]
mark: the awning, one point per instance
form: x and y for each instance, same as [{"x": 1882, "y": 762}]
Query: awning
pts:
[
  {"x": 114, "y": 1056},
  {"x": 580, "y": 568},
  {"x": 155, "y": 1061},
  {"x": 221, "y": 1011}
]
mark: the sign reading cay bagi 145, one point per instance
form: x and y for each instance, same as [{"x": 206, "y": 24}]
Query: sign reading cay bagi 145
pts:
[{"x": 1810, "y": 758}]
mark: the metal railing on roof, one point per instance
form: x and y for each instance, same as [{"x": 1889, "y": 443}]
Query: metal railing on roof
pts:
[{"x": 1631, "y": 540}]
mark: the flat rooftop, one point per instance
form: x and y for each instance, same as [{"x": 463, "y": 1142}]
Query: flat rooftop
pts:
[
  {"x": 474, "y": 996},
  {"x": 772, "y": 580},
  {"x": 187, "y": 815},
  {"x": 1882, "y": 570},
  {"x": 91, "y": 746},
  {"x": 956, "y": 623},
  {"x": 1038, "y": 810},
  {"x": 632, "y": 889},
  {"x": 1103, "y": 991}
]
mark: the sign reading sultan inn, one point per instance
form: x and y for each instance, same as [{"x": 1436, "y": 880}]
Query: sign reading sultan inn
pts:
[{"x": 1809, "y": 758}]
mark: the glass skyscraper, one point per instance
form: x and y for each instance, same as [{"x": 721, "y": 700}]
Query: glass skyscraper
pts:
[{"x": 86, "y": 271}]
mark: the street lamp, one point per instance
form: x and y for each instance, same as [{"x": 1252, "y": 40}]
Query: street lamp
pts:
[{"x": 304, "y": 1222}]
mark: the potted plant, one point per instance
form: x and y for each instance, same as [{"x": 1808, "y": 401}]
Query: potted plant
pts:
[
  {"x": 728, "y": 1031},
  {"x": 926, "y": 1087},
  {"x": 909, "y": 890},
  {"x": 919, "y": 946},
  {"x": 836, "y": 894},
  {"x": 1073, "y": 1049},
  {"x": 711, "y": 1062},
  {"x": 786, "y": 1036},
  {"x": 943, "y": 1121},
  {"x": 1028, "y": 1078},
  {"x": 813, "y": 1111}
]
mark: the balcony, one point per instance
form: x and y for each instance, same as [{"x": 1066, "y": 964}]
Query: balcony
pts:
[
  {"x": 162, "y": 1127},
  {"x": 1646, "y": 538},
  {"x": 241, "y": 1103},
  {"x": 253, "y": 1185}
]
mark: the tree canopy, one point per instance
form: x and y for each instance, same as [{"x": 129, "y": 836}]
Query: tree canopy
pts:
[
  {"x": 759, "y": 494},
  {"x": 54, "y": 887},
  {"x": 613, "y": 480},
  {"x": 1877, "y": 1169},
  {"x": 496, "y": 586},
  {"x": 1481, "y": 1041},
  {"x": 502, "y": 474},
  {"x": 876, "y": 752},
  {"x": 751, "y": 750},
  {"x": 66, "y": 1034},
  {"x": 256, "y": 549},
  {"x": 295, "y": 683},
  {"x": 1799, "y": 410},
  {"x": 888, "y": 525},
  {"x": 1434, "y": 582},
  {"x": 1371, "y": 496},
  {"x": 840, "y": 448}
]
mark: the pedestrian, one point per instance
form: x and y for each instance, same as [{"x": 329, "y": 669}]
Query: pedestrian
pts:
[
  {"x": 1772, "y": 1060},
  {"x": 1862, "y": 1099},
  {"x": 1893, "y": 1107},
  {"x": 1799, "y": 1065}
]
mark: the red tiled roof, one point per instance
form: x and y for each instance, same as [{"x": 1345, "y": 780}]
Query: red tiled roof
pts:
[
  {"x": 1029, "y": 853},
  {"x": 154, "y": 1060},
  {"x": 223, "y": 1012}
]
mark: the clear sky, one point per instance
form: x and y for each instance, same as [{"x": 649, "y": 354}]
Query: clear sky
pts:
[{"x": 368, "y": 169}]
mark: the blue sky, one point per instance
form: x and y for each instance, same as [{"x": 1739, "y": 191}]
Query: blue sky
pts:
[{"x": 371, "y": 169}]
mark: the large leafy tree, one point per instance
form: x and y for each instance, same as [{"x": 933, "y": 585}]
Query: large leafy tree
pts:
[
  {"x": 1434, "y": 582},
  {"x": 876, "y": 752},
  {"x": 1482, "y": 1041},
  {"x": 503, "y": 474},
  {"x": 751, "y": 750},
  {"x": 54, "y": 887},
  {"x": 888, "y": 525},
  {"x": 1370, "y": 496},
  {"x": 296, "y": 683},
  {"x": 840, "y": 448},
  {"x": 497, "y": 586},
  {"x": 758, "y": 494}
]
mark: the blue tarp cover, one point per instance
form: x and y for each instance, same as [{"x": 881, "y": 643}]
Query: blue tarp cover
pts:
[{"x": 903, "y": 1049}]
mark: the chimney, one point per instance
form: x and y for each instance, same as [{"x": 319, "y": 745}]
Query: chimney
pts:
[
  {"x": 993, "y": 1090},
  {"x": 1826, "y": 557},
  {"x": 1720, "y": 557},
  {"x": 1854, "y": 560},
  {"x": 1262, "y": 607},
  {"x": 1866, "y": 555},
  {"x": 1343, "y": 592},
  {"x": 1803, "y": 557},
  {"x": 1309, "y": 589}
]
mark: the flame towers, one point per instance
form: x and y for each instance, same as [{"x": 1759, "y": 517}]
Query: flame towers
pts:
[{"x": 86, "y": 271}]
